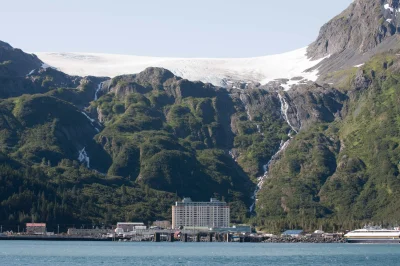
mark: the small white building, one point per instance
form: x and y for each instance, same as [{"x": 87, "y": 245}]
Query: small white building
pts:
[
  {"x": 293, "y": 233},
  {"x": 129, "y": 227}
]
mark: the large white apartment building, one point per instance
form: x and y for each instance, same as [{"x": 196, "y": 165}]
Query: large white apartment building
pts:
[{"x": 190, "y": 214}]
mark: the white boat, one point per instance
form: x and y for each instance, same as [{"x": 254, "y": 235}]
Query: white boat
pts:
[{"x": 373, "y": 235}]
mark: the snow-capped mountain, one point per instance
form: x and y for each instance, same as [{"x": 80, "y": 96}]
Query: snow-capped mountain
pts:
[
  {"x": 219, "y": 72},
  {"x": 345, "y": 46}
]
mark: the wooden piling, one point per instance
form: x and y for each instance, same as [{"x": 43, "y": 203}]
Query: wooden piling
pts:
[
  {"x": 157, "y": 237},
  {"x": 184, "y": 237}
]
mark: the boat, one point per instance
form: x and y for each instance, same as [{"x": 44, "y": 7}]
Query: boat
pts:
[{"x": 373, "y": 234}]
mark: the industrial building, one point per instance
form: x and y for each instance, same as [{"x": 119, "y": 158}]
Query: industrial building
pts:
[
  {"x": 194, "y": 215},
  {"x": 36, "y": 228},
  {"x": 162, "y": 224},
  {"x": 95, "y": 232},
  {"x": 129, "y": 227}
]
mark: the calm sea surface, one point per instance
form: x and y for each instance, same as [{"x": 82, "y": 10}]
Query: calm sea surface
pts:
[{"x": 117, "y": 253}]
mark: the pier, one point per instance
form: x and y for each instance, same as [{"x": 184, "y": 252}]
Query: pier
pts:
[{"x": 188, "y": 236}]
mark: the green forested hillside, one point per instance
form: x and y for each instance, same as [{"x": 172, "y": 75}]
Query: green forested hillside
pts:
[
  {"x": 149, "y": 140},
  {"x": 345, "y": 172},
  {"x": 97, "y": 150},
  {"x": 70, "y": 194}
]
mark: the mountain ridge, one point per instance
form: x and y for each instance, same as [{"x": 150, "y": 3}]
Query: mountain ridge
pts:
[{"x": 288, "y": 153}]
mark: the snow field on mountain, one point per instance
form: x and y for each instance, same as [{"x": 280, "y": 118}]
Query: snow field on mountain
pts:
[{"x": 213, "y": 70}]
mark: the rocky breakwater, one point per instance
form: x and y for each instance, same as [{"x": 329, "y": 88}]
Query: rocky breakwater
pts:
[{"x": 315, "y": 240}]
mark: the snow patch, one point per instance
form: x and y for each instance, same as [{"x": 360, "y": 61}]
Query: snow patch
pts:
[
  {"x": 213, "y": 70},
  {"x": 233, "y": 154},
  {"x": 83, "y": 157},
  {"x": 45, "y": 66},
  {"x": 288, "y": 85},
  {"x": 88, "y": 117},
  {"x": 30, "y": 73},
  {"x": 388, "y": 7}
]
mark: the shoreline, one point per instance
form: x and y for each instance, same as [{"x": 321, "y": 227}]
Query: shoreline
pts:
[
  {"x": 256, "y": 240},
  {"x": 52, "y": 238}
]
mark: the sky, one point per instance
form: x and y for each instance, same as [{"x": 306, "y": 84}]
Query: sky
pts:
[{"x": 170, "y": 28}]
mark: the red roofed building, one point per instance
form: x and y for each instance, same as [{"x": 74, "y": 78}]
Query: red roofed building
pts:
[{"x": 36, "y": 228}]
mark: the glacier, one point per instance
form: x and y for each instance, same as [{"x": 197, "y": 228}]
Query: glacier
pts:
[{"x": 218, "y": 71}]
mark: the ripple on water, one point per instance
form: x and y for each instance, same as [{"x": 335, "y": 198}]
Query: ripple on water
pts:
[{"x": 34, "y": 253}]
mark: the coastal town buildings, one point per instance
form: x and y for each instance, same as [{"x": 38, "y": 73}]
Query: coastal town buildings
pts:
[{"x": 193, "y": 215}]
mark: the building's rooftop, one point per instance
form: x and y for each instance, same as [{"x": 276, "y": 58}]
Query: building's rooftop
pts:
[
  {"x": 212, "y": 200},
  {"x": 36, "y": 224},
  {"x": 129, "y": 223},
  {"x": 186, "y": 200}
]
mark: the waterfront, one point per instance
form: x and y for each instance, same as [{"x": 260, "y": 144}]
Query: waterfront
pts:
[{"x": 144, "y": 253}]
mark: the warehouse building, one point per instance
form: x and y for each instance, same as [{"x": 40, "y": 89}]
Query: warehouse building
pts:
[
  {"x": 129, "y": 227},
  {"x": 36, "y": 228}
]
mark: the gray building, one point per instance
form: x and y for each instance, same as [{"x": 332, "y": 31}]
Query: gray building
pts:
[{"x": 191, "y": 215}]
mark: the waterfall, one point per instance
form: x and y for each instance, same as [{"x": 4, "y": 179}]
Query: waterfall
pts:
[
  {"x": 99, "y": 87},
  {"x": 83, "y": 157},
  {"x": 243, "y": 99},
  {"x": 261, "y": 179},
  {"x": 282, "y": 147},
  {"x": 284, "y": 111},
  {"x": 231, "y": 154},
  {"x": 92, "y": 121},
  {"x": 258, "y": 128}
]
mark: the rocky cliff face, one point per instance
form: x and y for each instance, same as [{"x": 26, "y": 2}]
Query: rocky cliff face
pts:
[
  {"x": 360, "y": 28},
  {"x": 313, "y": 104},
  {"x": 365, "y": 28},
  {"x": 15, "y": 79},
  {"x": 19, "y": 63},
  {"x": 343, "y": 168}
]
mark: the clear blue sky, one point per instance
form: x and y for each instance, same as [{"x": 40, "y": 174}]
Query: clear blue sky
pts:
[{"x": 184, "y": 28}]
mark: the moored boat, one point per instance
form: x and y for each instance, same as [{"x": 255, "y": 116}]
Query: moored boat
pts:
[{"x": 373, "y": 235}]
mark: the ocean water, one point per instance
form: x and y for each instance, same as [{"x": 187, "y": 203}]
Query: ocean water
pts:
[{"x": 144, "y": 253}]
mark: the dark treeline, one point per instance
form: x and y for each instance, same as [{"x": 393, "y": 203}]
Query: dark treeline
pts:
[{"x": 68, "y": 197}]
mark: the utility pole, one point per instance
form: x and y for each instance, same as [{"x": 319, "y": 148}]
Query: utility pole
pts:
[{"x": 58, "y": 229}]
